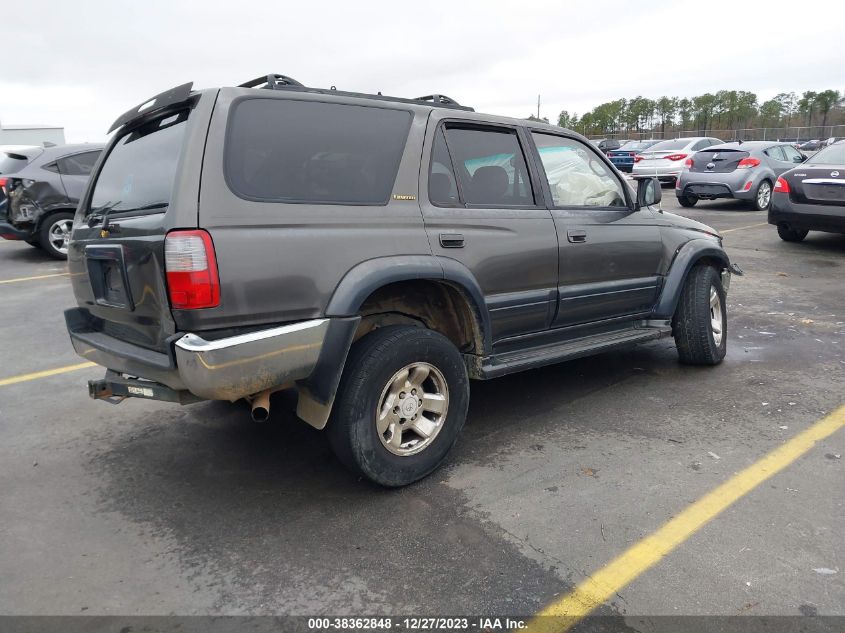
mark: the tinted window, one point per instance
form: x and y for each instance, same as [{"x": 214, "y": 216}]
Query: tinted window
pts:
[
  {"x": 306, "y": 151},
  {"x": 442, "y": 189},
  {"x": 141, "y": 167},
  {"x": 576, "y": 176},
  {"x": 78, "y": 164},
  {"x": 491, "y": 167}
]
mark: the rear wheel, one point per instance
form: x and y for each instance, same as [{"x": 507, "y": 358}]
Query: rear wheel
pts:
[
  {"x": 54, "y": 234},
  {"x": 788, "y": 234},
  {"x": 687, "y": 201},
  {"x": 701, "y": 321},
  {"x": 401, "y": 404},
  {"x": 763, "y": 197}
]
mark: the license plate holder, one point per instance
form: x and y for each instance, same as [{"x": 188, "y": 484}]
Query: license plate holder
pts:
[{"x": 107, "y": 273}]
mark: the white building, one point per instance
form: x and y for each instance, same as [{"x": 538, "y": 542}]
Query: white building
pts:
[{"x": 31, "y": 134}]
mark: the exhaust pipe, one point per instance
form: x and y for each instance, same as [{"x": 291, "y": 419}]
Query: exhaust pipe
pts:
[{"x": 261, "y": 406}]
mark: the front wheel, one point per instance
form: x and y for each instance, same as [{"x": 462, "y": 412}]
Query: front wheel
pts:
[
  {"x": 55, "y": 234},
  {"x": 700, "y": 325},
  {"x": 788, "y": 234},
  {"x": 400, "y": 406}
]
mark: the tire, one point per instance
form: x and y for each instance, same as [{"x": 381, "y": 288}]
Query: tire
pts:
[
  {"x": 788, "y": 234},
  {"x": 693, "y": 325},
  {"x": 54, "y": 234},
  {"x": 762, "y": 196},
  {"x": 687, "y": 201},
  {"x": 373, "y": 379},
  {"x": 34, "y": 243}
]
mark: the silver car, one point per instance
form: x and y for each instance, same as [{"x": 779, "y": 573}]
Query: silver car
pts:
[
  {"x": 741, "y": 170},
  {"x": 665, "y": 161}
]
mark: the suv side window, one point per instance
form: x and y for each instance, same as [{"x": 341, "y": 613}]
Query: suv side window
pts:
[
  {"x": 576, "y": 176},
  {"x": 78, "y": 164},
  {"x": 286, "y": 150},
  {"x": 442, "y": 190},
  {"x": 490, "y": 166}
]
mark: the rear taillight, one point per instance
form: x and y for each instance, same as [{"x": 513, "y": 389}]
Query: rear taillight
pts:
[
  {"x": 675, "y": 157},
  {"x": 3, "y": 182},
  {"x": 782, "y": 186},
  {"x": 688, "y": 163},
  {"x": 748, "y": 163},
  {"x": 191, "y": 266},
  {"x": 637, "y": 158}
]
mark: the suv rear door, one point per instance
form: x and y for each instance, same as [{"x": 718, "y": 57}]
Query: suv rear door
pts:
[
  {"x": 483, "y": 210},
  {"x": 147, "y": 184}
]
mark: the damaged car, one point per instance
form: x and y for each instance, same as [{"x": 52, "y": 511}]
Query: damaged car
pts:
[{"x": 43, "y": 194}]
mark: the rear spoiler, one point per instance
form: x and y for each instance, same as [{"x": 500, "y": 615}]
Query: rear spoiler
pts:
[{"x": 156, "y": 104}]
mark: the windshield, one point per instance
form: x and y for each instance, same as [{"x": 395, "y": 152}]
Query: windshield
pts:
[
  {"x": 832, "y": 155},
  {"x": 139, "y": 172}
]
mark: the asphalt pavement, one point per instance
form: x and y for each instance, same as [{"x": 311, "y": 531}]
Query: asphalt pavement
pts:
[{"x": 149, "y": 508}]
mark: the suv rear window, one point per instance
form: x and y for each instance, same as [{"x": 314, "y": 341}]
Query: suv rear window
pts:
[
  {"x": 313, "y": 152},
  {"x": 139, "y": 172},
  {"x": 10, "y": 162}
]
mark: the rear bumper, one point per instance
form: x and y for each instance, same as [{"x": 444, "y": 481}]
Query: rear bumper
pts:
[
  {"x": 10, "y": 232},
  {"x": 813, "y": 217},
  {"x": 222, "y": 369}
]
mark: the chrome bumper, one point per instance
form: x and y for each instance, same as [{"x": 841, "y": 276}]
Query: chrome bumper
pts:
[{"x": 238, "y": 366}]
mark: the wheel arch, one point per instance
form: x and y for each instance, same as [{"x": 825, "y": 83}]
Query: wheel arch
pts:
[{"x": 689, "y": 255}]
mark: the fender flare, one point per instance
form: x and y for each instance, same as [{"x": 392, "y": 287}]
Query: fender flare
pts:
[
  {"x": 687, "y": 256},
  {"x": 367, "y": 277}
]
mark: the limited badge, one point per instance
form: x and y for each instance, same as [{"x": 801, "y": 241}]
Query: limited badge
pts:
[{"x": 397, "y": 196}]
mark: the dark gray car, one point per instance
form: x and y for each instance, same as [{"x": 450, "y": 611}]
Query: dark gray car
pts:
[
  {"x": 740, "y": 170},
  {"x": 43, "y": 194},
  {"x": 372, "y": 253}
]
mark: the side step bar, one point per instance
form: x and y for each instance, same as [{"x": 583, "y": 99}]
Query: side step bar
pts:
[
  {"x": 114, "y": 388},
  {"x": 510, "y": 362}
]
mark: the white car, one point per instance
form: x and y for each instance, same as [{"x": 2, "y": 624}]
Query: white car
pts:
[{"x": 665, "y": 160}]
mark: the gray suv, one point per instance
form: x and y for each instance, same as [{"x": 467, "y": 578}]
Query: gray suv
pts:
[{"x": 372, "y": 253}]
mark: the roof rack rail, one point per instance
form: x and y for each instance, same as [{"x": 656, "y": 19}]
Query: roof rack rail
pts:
[
  {"x": 439, "y": 100},
  {"x": 273, "y": 81}
]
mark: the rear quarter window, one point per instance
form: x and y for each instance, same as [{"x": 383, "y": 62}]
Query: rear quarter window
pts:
[{"x": 280, "y": 150}]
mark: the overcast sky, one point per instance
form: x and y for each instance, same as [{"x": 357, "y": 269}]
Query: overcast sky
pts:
[{"x": 80, "y": 64}]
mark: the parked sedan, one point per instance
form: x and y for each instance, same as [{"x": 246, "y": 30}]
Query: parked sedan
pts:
[
  {"x": 42, "y": 197},
  {"x": 742, "y": 170},
  {"x": 623, "y": 158},
  {"x": 665, "y": 160},
  {"x": 811, "y": 197},
  {"x": 810, "y": 146}
]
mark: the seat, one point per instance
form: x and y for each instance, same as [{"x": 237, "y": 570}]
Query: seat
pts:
[{"x": 489, "y": 185}]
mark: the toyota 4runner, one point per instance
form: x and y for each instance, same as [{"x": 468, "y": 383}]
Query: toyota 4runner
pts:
[{"x": 373, "y": 253}]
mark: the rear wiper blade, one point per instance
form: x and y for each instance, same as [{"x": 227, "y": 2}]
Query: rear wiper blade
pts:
[
  {"x": 154, "y": 207},
  {"x": 101, "y": 212}
]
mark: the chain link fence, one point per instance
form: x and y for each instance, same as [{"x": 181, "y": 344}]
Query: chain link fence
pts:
[{"x": 789, "y": 134}]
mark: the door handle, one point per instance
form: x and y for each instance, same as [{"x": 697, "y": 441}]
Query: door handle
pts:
[
  {"x": 576, "y": 237},
  {"x": 451, "y": 240}
]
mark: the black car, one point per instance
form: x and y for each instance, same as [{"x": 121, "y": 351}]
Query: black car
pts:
[
  {"x": 43, "y": 194},
  {"x": 811, "y": 197}
]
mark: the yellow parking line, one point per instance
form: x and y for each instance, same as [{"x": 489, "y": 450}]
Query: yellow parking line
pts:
[
  {"x": 750, "y": 226},
  {"x": 43, "y": 374},
  {"x": 12, "y": 281},
  {"x": 567, "y": 611}
]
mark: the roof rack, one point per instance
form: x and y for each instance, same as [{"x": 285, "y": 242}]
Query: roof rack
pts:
[{"x": 275, "y": 81}]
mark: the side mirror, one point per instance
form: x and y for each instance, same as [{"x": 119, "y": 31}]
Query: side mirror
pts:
[
  {"x": 648, "y": 192},
  {"x": 799, "y": 159}
]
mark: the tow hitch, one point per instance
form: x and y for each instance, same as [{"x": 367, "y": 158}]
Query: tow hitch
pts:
[{"x": 114, "y": 388}]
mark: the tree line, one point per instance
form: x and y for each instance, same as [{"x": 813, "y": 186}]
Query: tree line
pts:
[{"x": 724, "y": 110}]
